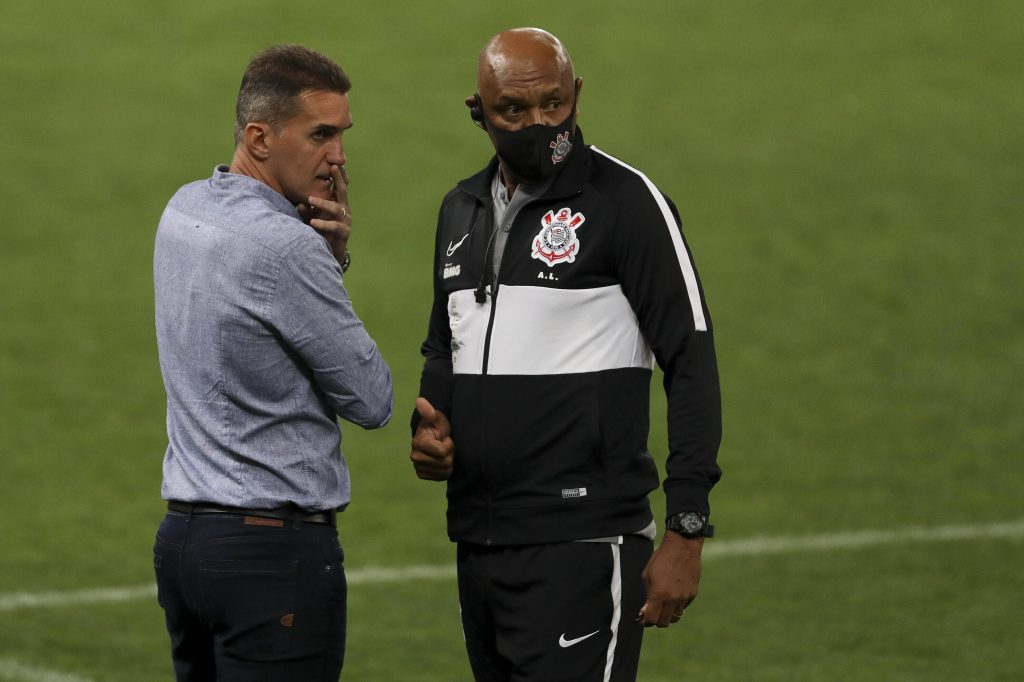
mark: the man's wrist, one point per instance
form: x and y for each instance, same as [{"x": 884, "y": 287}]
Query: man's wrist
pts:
[
  {"x": 690, "y": 547},
  {"x": 346, "y": 261}
]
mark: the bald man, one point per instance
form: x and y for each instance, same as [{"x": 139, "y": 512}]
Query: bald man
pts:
[{"x": 560, "y": 275}]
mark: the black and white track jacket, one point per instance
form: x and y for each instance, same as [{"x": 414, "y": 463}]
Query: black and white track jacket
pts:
[{"x": 546, "y": 375}]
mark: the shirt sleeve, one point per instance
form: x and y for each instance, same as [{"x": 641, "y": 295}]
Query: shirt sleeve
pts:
[
  {"x": 660, "y": 280},
  {"x": 313, "y": 312},
  {"x": 436, "y": 379}
]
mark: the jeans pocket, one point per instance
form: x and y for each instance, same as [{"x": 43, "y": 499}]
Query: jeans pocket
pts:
[
  {"x": 158, "y": 564},
  {"x": 250, "y": 605},
  {"x": 325, "y": 604},
  {"x": 165, "y": 554},
  {"x": 336, "y": 554}
]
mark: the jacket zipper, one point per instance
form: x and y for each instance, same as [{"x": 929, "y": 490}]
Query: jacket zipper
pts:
[
  {"x": 488, "y": 488},
  {"x": 489, "y": 259}
]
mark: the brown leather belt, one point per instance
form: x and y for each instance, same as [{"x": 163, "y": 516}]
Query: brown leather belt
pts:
[{"x": 281, "y": 513}]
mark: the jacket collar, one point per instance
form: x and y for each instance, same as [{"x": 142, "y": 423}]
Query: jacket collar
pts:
[{"x": 569, "y": 180}]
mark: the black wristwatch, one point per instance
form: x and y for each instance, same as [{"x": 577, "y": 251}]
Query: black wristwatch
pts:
[
  {"x": 347, "y": 261},
  {"x": 690, "y": 525}
]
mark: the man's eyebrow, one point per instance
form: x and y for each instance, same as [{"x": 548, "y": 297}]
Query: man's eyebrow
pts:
[
  {"x": 553, "y": 93},
  {"x": 329, "y": 129}
]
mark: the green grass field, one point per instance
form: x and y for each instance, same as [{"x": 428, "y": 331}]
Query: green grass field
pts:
[{"x": 850, "y": 176}]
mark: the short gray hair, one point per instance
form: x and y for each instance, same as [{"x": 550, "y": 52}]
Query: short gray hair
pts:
[{"x": 274, "y": 80}]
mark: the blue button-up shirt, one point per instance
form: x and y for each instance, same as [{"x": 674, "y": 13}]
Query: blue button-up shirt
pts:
[{"x": 260, "y": 351}]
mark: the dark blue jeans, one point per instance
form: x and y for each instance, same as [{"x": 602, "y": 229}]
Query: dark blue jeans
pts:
[{"x": 248, "y": 600}]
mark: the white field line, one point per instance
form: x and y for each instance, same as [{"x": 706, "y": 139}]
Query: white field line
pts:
[
  {"x": 31, "y": 600},
  {"x": 13, "y": 670},
  {"x": 864, "y": 538},
  {"x": 712, "y": 550}
]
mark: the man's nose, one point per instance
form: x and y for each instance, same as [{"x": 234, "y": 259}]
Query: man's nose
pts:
[
  {"x": 336, "y": 154},
  {"x": 534, "y": 116}
]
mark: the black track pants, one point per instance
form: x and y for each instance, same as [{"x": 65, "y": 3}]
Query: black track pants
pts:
[{"x": 555, "y": 612}]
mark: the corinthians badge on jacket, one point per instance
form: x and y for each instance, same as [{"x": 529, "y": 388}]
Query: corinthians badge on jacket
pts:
[{"x": 557, "y": 242}]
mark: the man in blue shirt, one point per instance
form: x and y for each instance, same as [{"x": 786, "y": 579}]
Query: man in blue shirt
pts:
[{"x": 261, "y": 352}]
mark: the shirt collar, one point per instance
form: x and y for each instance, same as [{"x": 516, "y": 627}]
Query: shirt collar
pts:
[
  {"x": 224, "y": 179},
  {"x": 501, "y": 197}
]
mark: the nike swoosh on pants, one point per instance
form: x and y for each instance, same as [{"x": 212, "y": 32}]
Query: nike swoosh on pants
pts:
[{"x": 566, "y": 643}]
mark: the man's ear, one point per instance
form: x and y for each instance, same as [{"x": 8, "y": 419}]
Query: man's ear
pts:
[
  {"x": 476, "y": 111},
  {"x": 255, "y": 139},
  {"x": 579, "y": 89}
]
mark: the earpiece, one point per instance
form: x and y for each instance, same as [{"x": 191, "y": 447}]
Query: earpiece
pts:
[{"x": 476, "y": 112}]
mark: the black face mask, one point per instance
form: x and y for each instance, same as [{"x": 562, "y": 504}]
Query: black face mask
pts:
[{"x": 534, "y": 153}]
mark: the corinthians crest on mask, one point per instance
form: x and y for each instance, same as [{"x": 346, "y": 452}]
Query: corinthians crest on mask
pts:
[
  {"x": 560, "y": 147},
  {"x": 557, "y": 242}
]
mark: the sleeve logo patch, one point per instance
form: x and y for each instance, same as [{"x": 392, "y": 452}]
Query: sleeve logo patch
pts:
[
  {"x": 557, "y": 242},
  {"x": 573, "y": 492}
]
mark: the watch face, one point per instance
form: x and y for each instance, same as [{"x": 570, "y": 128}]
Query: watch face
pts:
[{"x": 691, "y": 523}]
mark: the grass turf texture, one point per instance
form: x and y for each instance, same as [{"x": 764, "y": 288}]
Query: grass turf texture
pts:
[{"x": 849, "y": 175}]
